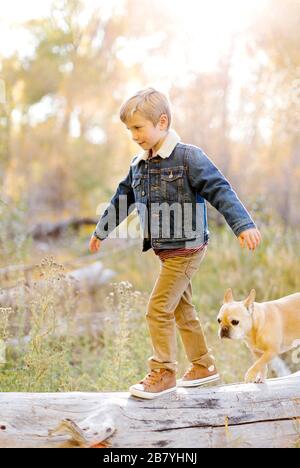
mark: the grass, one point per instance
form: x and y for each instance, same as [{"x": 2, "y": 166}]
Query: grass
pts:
[
  {"x": 273, "y": 270},
  {"x": 59, "y": 358}
]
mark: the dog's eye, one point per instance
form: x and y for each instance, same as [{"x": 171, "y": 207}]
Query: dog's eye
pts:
[
  {"x": 219, "y": 320},
  {"x": 235, "y": 322}
]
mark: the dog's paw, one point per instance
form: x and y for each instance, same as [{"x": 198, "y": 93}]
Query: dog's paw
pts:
[
  {"x": 253, "y": 377},
  {"x": 260, "y": 379}
]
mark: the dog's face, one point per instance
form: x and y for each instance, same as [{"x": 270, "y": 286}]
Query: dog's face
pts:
[{"x": 235, "y": 318}]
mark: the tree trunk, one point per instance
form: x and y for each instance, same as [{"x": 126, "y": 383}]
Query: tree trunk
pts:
[{"x": 227, "y": 416}]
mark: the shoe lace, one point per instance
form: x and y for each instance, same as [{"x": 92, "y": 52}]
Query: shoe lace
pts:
[
  {"x": 152, "y": 378},
  {"x": 190, "y": 370}
]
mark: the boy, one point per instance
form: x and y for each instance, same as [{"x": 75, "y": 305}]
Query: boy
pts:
[{"x": 168, "y": 183}]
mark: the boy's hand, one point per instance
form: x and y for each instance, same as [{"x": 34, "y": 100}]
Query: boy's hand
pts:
[
  {"x": 251, "y": 238},
  {"x": 95, "y": 244}
]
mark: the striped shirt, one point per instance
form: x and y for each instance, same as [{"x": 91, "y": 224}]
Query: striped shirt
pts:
[{"x": 163, "y": 254}]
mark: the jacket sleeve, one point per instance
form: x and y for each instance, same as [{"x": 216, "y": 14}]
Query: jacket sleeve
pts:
[
  {"x": 120, "y": 206},
  {"x": 209, "y": 181}
]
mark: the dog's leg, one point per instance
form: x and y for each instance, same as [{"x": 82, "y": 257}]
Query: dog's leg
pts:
[
  {"x": 257, "y": 373},
  {"x": 262, "y": 375}
]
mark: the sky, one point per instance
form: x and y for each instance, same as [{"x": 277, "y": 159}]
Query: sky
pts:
[
  {"x": 14, "y": 12},
  {"x": 203, "y": 32},
  {"x": 205, "y": 27}
]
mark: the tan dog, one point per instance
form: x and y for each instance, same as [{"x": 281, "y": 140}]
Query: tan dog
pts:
[{"x": 268, "y": 328}]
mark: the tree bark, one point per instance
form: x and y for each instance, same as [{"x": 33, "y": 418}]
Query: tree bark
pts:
[{"x": 236, "y": 415}]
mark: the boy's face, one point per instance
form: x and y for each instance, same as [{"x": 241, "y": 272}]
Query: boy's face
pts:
[{"x": 144, "y": 133}]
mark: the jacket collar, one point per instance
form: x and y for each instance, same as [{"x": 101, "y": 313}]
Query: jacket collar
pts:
[{"x": 165, "y": 150}]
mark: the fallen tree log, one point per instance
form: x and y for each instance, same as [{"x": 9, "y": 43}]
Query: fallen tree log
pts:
[
  {"x": 226, "y": 416},
  {"x": 6, "y": 272},
  {"x": 54, "y": 230},
  {"x": 87, "y": 279}
]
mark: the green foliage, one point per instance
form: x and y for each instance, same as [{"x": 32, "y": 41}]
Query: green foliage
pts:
[
  {"x": 126, "y": 342},
  {"x": 14, "y": 239},
  {"x": 48, "y": 171},
  {"x": 59, "y": 358}
]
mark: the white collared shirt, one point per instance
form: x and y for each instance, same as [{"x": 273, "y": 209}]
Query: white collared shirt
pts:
[{"x": 164, "y": 151}]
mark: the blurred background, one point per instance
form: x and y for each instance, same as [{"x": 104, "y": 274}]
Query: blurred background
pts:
[{"x": 232, "y": 72}]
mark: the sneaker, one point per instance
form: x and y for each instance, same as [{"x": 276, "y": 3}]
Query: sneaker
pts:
[
  {"x": 156, "y": 383},
  {"x": 198, "y": 375}
]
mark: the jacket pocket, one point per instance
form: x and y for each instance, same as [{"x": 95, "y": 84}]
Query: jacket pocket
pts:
[
  {"x": 138, "y": 186},
  {"x": 135, "y": 183},
  {"x": 172, "y": 184},
  {"x": 171, "y": 174}
]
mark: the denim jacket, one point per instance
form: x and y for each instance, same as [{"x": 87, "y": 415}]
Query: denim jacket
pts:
[{"x": 169, "y": 192}]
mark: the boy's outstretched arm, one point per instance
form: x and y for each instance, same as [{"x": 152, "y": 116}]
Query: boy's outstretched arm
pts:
[
  {"x": 209, "y": 181},
  {"x": 120, "y": 206},
  {"x": 95, "y": 244},
  {"x": 251, "y": 238}
]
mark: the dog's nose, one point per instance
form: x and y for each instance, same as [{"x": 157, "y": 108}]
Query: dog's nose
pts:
[{"x": 225, "y": 332}]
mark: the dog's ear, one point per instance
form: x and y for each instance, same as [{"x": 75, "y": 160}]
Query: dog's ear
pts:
[
  {"x": 228, "y": 297},
  {"x": 250, "y": 299}
]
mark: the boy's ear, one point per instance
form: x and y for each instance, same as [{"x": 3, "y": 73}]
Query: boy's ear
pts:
[
  {"x": 228, "y": 296},
  {"x": 250, "y": 299},
  {"x": 163, "y": 122}
]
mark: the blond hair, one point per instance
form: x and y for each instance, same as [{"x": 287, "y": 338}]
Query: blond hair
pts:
[{"x": 150, "y": 103}]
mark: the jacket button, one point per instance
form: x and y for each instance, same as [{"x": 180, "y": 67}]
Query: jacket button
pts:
[{"x": 143, "y": 193}]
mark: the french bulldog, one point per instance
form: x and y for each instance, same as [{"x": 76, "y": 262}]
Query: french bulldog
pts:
[{"x": 268, "y": 328}]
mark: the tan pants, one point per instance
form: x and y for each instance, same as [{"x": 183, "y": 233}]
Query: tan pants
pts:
[{"x": 170, "y": 305}]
